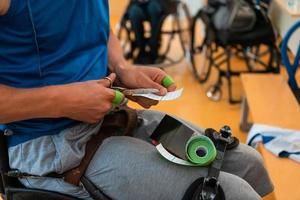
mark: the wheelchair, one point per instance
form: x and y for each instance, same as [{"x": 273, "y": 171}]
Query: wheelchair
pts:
[
  {"x": 12, "y": 189},
  {"x": 212, "y": 48},
  {"x": 176, "y": 21},
  {"x": 291, "y": 65}
]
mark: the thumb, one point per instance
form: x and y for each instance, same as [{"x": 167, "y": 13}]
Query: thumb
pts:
[{"x": 108, "y": 81}]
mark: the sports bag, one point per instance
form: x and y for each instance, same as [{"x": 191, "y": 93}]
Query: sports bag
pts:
[{"x": 234, "y": 16}]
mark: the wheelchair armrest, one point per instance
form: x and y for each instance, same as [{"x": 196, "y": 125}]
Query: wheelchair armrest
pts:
[
  {"x": 4, "y": 163},
  {"x": 1, "y": 186},
  {"x": 16, "y": 193}
]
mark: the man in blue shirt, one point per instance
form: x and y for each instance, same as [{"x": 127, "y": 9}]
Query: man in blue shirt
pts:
[{"x": 54, "y": 56}]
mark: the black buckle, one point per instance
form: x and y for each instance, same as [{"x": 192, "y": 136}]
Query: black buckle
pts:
[
  {"x": 14, "y": 173},
  {"x": 210, "y": 188},
  {"x": 225, "y": 134},
  {"x": 8, "y": 132}
]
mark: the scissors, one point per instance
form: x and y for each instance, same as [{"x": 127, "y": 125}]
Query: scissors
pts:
[{"x": 135, "y": 92}]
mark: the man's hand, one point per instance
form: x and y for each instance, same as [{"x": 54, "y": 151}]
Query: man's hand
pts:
[
  {"x": 143, "y": 77},
  {"x": 87, "y": 101},
  {"x": 132, "y": 77}
]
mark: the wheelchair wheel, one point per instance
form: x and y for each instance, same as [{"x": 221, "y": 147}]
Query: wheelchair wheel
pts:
[
  {"x": 200, "y": 52},
  {"x": 214, "y": 93},
  {"x": 184, "y": 27},
  {"x": 178, "y": 30},
  {"x": 123, "y": 33}
]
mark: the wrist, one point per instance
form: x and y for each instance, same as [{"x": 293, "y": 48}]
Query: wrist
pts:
[
  {"x": 58, "y": 100},
  {"x": 122, "y": 67}
]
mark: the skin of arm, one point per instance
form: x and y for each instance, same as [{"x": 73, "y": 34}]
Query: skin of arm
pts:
[
  {"x": 17, "y": 104},
  {"x": 4, "y": 5},
  {"x": 85, "y": 101}
]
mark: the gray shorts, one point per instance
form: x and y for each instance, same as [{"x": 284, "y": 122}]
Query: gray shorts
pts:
[{"x": 127, "y": 168}]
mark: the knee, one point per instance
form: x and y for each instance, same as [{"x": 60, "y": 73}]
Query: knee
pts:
[
  {"x": 154, "y": 9},
  {"x": 135, "y": 13},
  {"x": 249, "y": 163},
  {"x": 250, "y": 156},
  {"x": 235, "y": 187}
]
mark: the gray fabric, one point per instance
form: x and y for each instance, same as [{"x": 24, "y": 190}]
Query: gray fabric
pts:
[{"x": 128, "y": 168}]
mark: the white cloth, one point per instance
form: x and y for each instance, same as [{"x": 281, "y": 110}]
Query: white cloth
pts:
[{"x": 281, "y": 142}]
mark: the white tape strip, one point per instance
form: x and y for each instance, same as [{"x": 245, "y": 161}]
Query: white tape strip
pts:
[
  {"x": 168, "y": 97},
  {"x": 173, "y": 158}
]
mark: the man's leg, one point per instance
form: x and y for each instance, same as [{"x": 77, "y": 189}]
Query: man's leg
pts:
[
  {"x": 130, "y": 167},
  {"x": 155, "y": 15},
  {"x": 137, "y": 16},
  {"x": 243, "y": 161}
]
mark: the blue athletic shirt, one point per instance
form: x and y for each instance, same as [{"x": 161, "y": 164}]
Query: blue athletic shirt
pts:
[{"x": 46, "y": 42}]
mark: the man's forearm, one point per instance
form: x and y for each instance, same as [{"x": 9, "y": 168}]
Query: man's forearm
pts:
[
  {"x": 4, "y": 5},
  {"x": 21, "y": 104},
  {"x": 115, "y": 54}
]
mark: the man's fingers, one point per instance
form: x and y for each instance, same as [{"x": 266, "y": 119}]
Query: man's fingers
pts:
[
  {"x": 108, "y": 81},
  {"x": 172, "y": 88},
  {"x": 110, "y": 94},
  {"x": 152, "y": 84}
]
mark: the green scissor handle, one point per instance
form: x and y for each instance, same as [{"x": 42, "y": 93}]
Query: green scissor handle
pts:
[
  {"x": 167, "y": 81},
  {"x": 119, "y": 97}
]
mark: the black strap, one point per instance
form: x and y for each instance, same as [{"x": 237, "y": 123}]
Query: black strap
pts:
[
  {"x": 208, "y": 188},
  {"x": 14, "y": 173},
  {"x": 211, "y": 184},
  {"x": 93, "y": 190}
]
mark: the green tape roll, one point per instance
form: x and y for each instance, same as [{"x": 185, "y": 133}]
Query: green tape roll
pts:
[
  {"x": 167, "y": 81},
  {"x": 119, "y": 96},
  {"x": 200, "y": 150}
]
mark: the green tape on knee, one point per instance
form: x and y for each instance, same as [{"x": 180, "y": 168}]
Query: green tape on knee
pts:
[
  {"x": 167, "y": 81},
  {"x": 201, "y": 150},
  {"x": 119, "y": 96}
]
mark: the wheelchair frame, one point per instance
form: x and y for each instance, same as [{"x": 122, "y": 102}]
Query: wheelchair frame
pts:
[
  {"x": 291, "y": 68},
  {"x": 129, "y": 45},
  {"x": 210, "y": 48}
]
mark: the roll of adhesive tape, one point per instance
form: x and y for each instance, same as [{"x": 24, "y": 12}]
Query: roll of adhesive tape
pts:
[
  {"x": 167, "y": 81},
  {"x": 200, "y": 150},
  {"x": 119, "y": 96}
]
